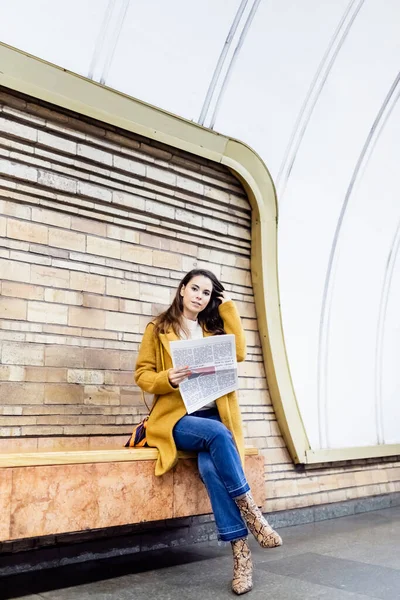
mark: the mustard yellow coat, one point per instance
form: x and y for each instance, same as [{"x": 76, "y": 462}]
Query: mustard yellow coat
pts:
[{"x": 151, "y": 376}]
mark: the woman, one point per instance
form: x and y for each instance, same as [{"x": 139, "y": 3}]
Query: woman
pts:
[{"x": 200, "y": 308}]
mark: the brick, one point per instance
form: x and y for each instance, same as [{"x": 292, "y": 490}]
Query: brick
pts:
[
  {"x": 87, "y": 282},
  {"x": 85, "y": 376},
  {"x": 22, "y": 354},
  {"x": 45, "y": 374},
  {"x": 27, "y": 231},
  {"x": 119, "y": 378},
  {"x": 94, "y": 154},
  {"x": 42, "y": 430},
  {"x": 94, "y": 191},
  {"x": 10, "y": 432},
  {"x": 11, "y": 410},
  {"x": 21, "y": 393},
  {"x": 96, "y": 358},
  {"x": 128, "y": 361},
  {"x": 131, "y": 201},
  {"x": 49, "y": 276},
  {"x": 238, "y": 276},
  {"x": 18, "y": 170},
  {"x": 57, "y": 420},
  {"x": 99, "y": 337},
  {"x": 102, "y": 397},
  {"x": 47, "y": 313},
  {"x": 188, "y": 217},
  {"x": 161, "y": 175},
  {"x": 57, "y": 142},
  {"x": 28, "y": 256},
  {"x": 251, "y": 369},
  {"x": 12, "y": 308},
  {"x": 155, "y": 241},
  {"x": 122, "y": 322},
  {"x": 62, "y": 238},
  {"x": 159, "y": 209},
  {"x": 63, "y": 356},
  {"x": 54, "y": 181},
  {"x": 103, "y": 247},
  {"x": 63, "y": 296},
  {"x": 156, "y": 152},
  {"x": 216, "y": 194},
  {"x": 133, "y": 306},
  {"x": 189, "y": 184},
  {"x": 63, "y": 393},
  {"x": 89, "y": 226},
  {"x": 167, "y": 260},
  {"x": 16, "y": 129},
  {"x": 123, "y": 234},
  {"x": 130, "y": 166},
  {"x": 14, "y": 209},
  {"x": 216, "y": 256},
  {"x": 122, "y": 139},
  {"x": 258, "y": 428},
  {"x": 86, "y": 317},
  {"x": 51, "y": 217},
  {"x": 12, "y": 421},
  {"x": 214, "y": 225},
  {"x": 22, "y": 290},
  {"x": 102, "y": 302},
  {"x": 123, "y": 289},
  {"x": 154, "y": 293},
  {"x": 136, "y": 254},
  {"x": 277, "y": 456},
  {"x": 242, "y": 262},
  {"x": 3, "y": 226},
  {"x": 12, "y": 373},
  {"x": 239, "y": 232}
]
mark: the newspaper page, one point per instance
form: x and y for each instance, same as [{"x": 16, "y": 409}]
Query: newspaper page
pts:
[{"x": 212, "y": 361}]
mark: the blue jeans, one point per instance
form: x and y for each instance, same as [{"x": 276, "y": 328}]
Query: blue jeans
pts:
[{"x": 219, "y": 465}]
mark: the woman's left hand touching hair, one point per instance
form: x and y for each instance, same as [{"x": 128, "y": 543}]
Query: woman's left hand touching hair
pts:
[{"x": 224, "y": 297}]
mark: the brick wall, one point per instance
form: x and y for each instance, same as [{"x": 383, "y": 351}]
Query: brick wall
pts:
[{"x": 97, "y": 226}]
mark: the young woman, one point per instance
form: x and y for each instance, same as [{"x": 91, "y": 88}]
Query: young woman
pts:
[{"x": 200, "y": 308}]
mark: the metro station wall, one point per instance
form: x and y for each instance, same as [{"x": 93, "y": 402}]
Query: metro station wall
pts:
[{"x": 97, "y": 227}]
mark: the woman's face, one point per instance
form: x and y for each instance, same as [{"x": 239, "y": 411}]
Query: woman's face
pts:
[{"x": 196, "y": 295}]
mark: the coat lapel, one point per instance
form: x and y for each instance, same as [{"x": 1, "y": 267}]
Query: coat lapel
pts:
[{"x": 166, "y": 338}]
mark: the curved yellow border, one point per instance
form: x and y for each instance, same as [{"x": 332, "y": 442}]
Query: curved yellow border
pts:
[{"x": 42, "y": 80}]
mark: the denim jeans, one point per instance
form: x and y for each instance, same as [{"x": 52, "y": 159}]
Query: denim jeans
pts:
[{"x": 219, "y": 465}]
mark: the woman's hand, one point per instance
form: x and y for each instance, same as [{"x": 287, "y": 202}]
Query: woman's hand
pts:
[
  {"x": 176, "y": 376},
  {"x": 224, "y": 297}
]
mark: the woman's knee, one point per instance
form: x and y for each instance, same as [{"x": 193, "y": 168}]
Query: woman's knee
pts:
[{"x": 221, "y": 432}]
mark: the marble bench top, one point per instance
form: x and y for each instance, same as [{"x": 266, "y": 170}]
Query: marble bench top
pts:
[{"x": 39, "y": 458}]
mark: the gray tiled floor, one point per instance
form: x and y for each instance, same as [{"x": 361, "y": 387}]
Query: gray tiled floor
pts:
[{"x": 351, "y": 558}]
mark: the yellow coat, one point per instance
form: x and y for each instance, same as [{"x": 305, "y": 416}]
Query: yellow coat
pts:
[{"x": 151, "y": 376}]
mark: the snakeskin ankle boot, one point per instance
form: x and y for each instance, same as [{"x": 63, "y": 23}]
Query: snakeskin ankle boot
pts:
[
  {"x": 242, "y": 581},
  {"x": 258, "y": 525}
]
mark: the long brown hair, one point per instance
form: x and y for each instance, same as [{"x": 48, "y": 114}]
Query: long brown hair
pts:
[{"x": 208, "y": 318}]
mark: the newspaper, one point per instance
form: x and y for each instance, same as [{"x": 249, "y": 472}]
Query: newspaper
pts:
[{"x": 212, "y": 361}]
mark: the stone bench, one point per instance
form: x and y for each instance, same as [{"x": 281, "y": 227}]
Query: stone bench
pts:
[{"x": 47, "y": 493}]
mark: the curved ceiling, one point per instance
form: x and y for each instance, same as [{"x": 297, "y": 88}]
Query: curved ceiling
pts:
[{"x": 313, "y": 87}]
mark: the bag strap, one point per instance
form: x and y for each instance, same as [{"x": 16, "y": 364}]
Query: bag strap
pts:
[{"x": 163, "y": 368}]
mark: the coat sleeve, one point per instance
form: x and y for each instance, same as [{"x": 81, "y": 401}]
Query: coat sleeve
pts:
[
  {"x": 146, "y": 375},
  {"x": 232, "y": 324}
]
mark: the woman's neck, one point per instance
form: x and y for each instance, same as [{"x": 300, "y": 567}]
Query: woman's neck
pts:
[{"x": 189, "y": 315}]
